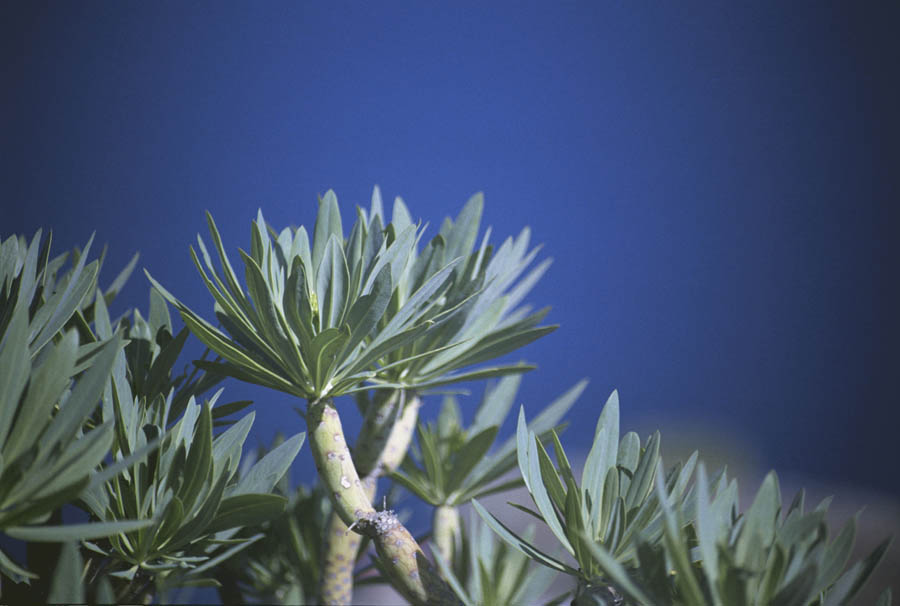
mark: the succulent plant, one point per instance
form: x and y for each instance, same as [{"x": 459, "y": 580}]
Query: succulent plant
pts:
[
  {"x": 451, "y": 464},
  {"x": 756, "y": 557},
  {"x": 50, "y": 382},
  {"x": 94, "y": 415},
  {"x": 488, "y": 572},
  {"x": 337, "y": 316},
  {"x": 612, "y": 504},
  {"x": 286, "y": 564},
  {"x": 484, "y": 293},
  {"x": 167, "y": 467},
  {"x": 640, "y": 536}
]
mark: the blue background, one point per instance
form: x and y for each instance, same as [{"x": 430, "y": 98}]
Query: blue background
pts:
[{"x": 717, "y": 184}]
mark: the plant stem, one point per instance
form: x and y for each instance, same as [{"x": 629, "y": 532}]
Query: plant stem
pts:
[
  {"x": 410, "y": 572},
  {"x": 334, "y": 463},
  {"x": 380, "y": 447},
  {"x": 446, "y": 530}
]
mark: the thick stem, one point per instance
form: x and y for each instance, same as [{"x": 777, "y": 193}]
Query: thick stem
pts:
[
  {"x": 334, "y": 463},
  {"x": 341, "y": 546},
  {"x": 386, "y": 433},
  {"x": 410, "y": 572},
  {"x": 380, "y": 447},
  {"x": 445, "y": 528}
]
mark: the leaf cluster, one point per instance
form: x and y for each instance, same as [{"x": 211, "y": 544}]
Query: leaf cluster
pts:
[
  {"x": 285, "y": 564},
  {"x": 452, "y": 464},
  {"x": 94, "y": 414},
  {"x": 49, "y": 384},
  {"x": 323, "y": 315},
  {"x": 89, "y": 416},
  {"x": 488, "y": 572},
  {"x": 756, "y": 557},
  {"x": 642, "y": 536},
  {"x": 177, "y": 475}
]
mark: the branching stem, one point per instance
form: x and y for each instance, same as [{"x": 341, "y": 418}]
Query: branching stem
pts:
[{"x": 410, "y": 572}]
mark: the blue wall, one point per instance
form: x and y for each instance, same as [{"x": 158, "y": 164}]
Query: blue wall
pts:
[{"x": 718, "y": 186}]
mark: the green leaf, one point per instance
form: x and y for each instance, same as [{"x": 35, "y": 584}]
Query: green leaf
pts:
[
  {"x": 13, "y": 570},
  {"x": 602, "y": 456},
  {"x": 836, "y": 555},
  {"x": 470, "y": 455},
  {"x": 539, "y": 494},
  {"x": 78, "y": 460},
  {"x": 227, "y": 446},
  {"x": 642, "y": 482},
  {"x": 324, "y": 350},
  {"x": 418, "y": 302},
  {"x": 15, "y": 368},
  {"x": 489, "y": 372},
  {"x": 85, "y": 396},
  {"x": 231, "y": 279},
  {"x": 551, "y": 480},
  {"x": 171, "y": 520},
  {"x": 160, "y": 370},
  {"x": 224, "y": 555},
  {"x": 611, "y": 495},
  {"x": 520, "y": 544},
  {"x": 417, "y": 485},
  {"x": 366, "y": 312},
  {"x": 776, "y": 566},
  {"x": 395, "y": 256},
  {"x": 495, "y": 404},
  {"x": 760, "y": 519},
  {"x": 849, "y": 584},
  {"x": 36, "y": 510},
  {"x": 617, "y": 573},
  {"x": 798, "y": 591},
  {"x": 709, "y": 529},
  {"x": 74, "y": 532},
  {"x": 328, "y": 223},
  {"x": 574, "y": 526},
  {"x": 47, "y": 384},
  {"x": 246, "y": 510},
  {"x": 159, "y": 312},
  {"x": 224, "y": 410},
  {"x": 676, "y": 546},
  {"x": 461, "y": 237},
  {"x": 105, "y": 593},
  {"x": 198, "y": 465},
  {"x": 263, "y": 476},
  {"x": 522, "y": 439},
  {"x": 434, "y": 465},
  {"x": 332, "y": 277},
  {"x": 480, "y": 491},
  {"x": 447, "y": 573},
  {"x": 81, "y": 282}
]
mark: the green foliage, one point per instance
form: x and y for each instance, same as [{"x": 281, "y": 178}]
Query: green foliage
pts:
[
  {"x": 319, "y": 319},
  {"x": 487, "y": 572},
  {"x": 94, "y": 415},
  {"x": 178, "y": 476},
  {"x": 86, "y": 418},
  {"x": 639, "y": 536},
  {"x": 283, "y": 567},
  {"x": 758, "y": 557},
  {"x": 49, "y": 385},
  {"x": 452, "y": 466},
  {"x": 483, "y": 291}
]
